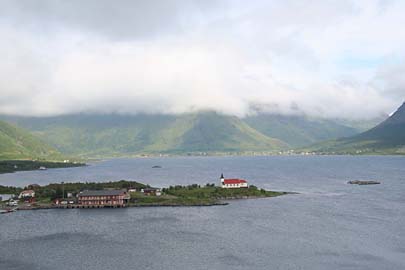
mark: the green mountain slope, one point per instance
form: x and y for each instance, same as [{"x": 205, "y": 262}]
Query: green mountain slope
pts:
[
  {"x": 17, "y": 143},
  {"x": 125, "y": 135},
  {"x": 212, "y": 132},
  {"x": 118, "y": 135},
  {"x": 386, "y": 138},
  {"x": 97, "y": 135},
  {"x": 301, "y": 130}
]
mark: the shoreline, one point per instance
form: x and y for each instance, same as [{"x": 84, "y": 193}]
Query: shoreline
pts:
[
  {"x": 123, "y": 193},
  {"x": 238, "y": 154},
  {"x": 13, "y": 166},
  {"x": 220, "y": 202}
]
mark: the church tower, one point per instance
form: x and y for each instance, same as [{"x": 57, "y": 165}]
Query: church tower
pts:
[{"x": 222, "y": 179}]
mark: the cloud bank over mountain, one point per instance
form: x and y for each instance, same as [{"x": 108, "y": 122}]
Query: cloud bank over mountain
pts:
[{"x": 323, "y": 58}]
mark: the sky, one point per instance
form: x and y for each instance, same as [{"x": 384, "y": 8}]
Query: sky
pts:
[{"x": 323, "y": 58}]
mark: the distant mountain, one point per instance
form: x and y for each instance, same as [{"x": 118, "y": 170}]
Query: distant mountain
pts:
[
  {"x": 117, "y": 135},
  {"x": 208, "y": 132},
  {"x": 213, "y": 132},
  {"x": 17, "y": 143},
  {"x": 386, "y": 138},
  {"x": 301, "y": 130}
]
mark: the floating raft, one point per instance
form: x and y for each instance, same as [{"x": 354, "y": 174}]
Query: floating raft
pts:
[{"x": 363, "y": 182}]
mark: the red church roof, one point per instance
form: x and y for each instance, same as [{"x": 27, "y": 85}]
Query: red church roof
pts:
[{"x": 234, "y": 181}]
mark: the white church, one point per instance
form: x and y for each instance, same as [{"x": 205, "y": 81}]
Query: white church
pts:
[{"x": 233, "y": 183}]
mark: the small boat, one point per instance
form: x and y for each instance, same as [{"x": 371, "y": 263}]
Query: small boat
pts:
[
  {"x": 7, "y": 211},
  {"x": 363, "y": 182},
  {"x": 42, "y": 168},
  {"x": 156, "y": 167}
]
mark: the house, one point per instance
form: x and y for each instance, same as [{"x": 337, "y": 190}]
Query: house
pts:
[
  {"x": 233, "y": 183},
  {"x": 151, "y": 191},
  {"x": 115, "y": 198},
  {"x": 29, "y": 193},
  {"x": 6, "y": 197},
  {"x": 64, "y": 201}
]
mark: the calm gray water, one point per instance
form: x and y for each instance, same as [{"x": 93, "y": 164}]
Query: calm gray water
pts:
[{"x": 330, "y": 225}]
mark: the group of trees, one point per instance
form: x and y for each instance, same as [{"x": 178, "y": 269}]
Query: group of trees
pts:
[
  {"x": 9, "y": 190},
  {"x": 9, "y": 166},
  {"x": 212, "y": 191}
]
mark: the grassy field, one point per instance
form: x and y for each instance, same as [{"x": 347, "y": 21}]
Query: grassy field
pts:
[{"x": 197, "y": 195}]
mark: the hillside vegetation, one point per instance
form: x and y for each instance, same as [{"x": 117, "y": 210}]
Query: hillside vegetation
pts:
[
  {"x": 386, "y": 138},
  {"x": 208, "y": 132},
  {"x": 301, "y": 130},
  {"x": 17, "y": 143},
  {"x": 117, "y": 135}
]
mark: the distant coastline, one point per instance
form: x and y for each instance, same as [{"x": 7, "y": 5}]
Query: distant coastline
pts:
[
  {"x": 11, "y": 166},
  {"x": 247, "y": 154}
]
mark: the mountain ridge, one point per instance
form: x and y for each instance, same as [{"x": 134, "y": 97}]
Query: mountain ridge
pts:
[
  {"x": 387, "y": 137},
  {"x": 17, "y": 143},
  {"x": 91, "y": 135}
]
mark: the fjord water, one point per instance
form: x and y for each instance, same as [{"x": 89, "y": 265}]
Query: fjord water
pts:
[{"x": 329, "y": 225}]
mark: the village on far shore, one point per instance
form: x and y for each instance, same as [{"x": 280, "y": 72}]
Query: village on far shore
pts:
[{"x": 124, "y": 193}]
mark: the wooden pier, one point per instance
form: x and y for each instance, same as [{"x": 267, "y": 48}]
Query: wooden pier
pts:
[{"x": 83, "y": 206}]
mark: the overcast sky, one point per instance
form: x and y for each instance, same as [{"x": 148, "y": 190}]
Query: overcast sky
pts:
[{"x": 342, "y": 58}]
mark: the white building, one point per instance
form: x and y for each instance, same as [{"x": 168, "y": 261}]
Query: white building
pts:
[
  {"x": 27, "y": 194},
  {"x": 233, "y": 183},
  {"x": 6, "y": 197}
]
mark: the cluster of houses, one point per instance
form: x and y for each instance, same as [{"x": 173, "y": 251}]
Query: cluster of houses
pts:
[
  {"x": 26, "y": 196},
  {"x": 106, "y": 198}
]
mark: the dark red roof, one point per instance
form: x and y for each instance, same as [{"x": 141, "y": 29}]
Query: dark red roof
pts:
[{"x": 234, "y": 181}]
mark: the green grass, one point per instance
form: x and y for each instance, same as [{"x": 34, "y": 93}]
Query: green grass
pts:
[
  {"x": 210, "y": 191},
  {"x": 197, "y": 195}
]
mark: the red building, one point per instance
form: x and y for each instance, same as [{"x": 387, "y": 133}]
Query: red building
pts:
[{"x": 103, "y": 198}]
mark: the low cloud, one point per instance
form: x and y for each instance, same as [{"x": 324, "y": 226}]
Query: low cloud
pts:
[{"x": 321, "y": 58}]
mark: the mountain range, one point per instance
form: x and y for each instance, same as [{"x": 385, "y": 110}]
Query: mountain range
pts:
[
  {"x": 95, "y": 135},
  {"x": 386, "y": 138},
  {"x": 17, "y": 143}
]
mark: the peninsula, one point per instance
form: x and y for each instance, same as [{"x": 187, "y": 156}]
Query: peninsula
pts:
[
  {"x": 10, "y": 166},
  {"x": 126, "y": 194}
]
